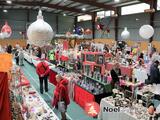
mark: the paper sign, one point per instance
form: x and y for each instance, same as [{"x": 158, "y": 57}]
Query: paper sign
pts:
[{"x": 5, "y": 62}]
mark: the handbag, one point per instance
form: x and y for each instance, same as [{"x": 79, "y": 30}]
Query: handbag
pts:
[{"x": 61, "y": 105}]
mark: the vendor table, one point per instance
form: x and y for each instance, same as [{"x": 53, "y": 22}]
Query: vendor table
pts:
[
  {"x": 28, "y": 57},
  {"x": 122, "y": 115},
  {"x": 82, "y": 96},
  {"x": 31, "y": 100},
  {"x": 125, "y": 70},
  {"x": 132, "y": 85},
  {"x": 52, "y": 77}
]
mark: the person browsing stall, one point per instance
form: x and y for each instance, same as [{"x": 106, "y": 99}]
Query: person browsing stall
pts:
[
  {"x": 61, "y": 96},
  {"x": 42, "y": 70},
  {"x": 115, "y": 73},
  {"x": 154, "y": 73}
]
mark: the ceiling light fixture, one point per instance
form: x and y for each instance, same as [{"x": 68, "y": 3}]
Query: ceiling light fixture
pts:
[
  {"x": 64, "y": 14},
  {"x": 9, "y": 2},
  {"x": 83, "y": 9},
  {"x": 116, "y": 1},
  {"x": 5, "y": 11}
]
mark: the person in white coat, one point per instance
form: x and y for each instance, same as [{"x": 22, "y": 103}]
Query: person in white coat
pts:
[{"x": 21, "y": 57}]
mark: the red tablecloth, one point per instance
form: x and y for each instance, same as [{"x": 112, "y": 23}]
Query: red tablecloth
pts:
[
  {"x": 82, "y": 97},
  {"x": 125, "y": 70},
  {"x": 52, "y": 77},
  {"x": 64, "y": 58},
  {"x": 4, "y": 99}
]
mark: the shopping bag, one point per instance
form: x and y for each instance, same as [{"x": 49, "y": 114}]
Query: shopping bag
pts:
[{"x": 61, "y": 106}]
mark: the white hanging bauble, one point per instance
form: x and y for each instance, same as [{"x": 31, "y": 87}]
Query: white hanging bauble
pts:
[
  {"x": 6, "y": 35},
  {"x": 146, "y": 31},
  {"x": 125, "y": 34},
  {"x": 39, "y": 32},
  {"x": 2, "y": 36}
]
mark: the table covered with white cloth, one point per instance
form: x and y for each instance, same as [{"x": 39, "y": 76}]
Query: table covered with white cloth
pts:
[
  {"x": 28, "y": 57},
  {"x": 123, "y": 114}
]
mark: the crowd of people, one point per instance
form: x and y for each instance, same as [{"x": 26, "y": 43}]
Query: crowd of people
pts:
[{"x": 120, "y": 54}]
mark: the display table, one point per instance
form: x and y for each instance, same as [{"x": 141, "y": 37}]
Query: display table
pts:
[
  {"x": 82, "y": 97},
  {"x": 52, "y": 77},
  {"x": 151, "y": 90},
  {"x": 28, "y": 57},
  {"x": 125, "y": 70},
  {"x": 132, "y": 85},
  {"x": 37, "y": 107},
  {"x": 140, "y": 74},
  {"x": 123, "y": 114}
]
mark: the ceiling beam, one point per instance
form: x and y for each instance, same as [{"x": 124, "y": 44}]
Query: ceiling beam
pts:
[
  {"x": 72, "y": 9},
  {"x": 146, "y": 1},
  {"x": 96, "y": 4}
]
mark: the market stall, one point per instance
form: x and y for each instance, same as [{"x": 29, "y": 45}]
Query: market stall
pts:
[{"x": 123, "y": 112}]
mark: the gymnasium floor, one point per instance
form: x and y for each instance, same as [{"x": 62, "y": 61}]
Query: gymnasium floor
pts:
[{"x": 74, "y": 111}]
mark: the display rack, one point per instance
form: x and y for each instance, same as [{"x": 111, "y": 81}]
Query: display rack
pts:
[{"x": 94, "y": 85}]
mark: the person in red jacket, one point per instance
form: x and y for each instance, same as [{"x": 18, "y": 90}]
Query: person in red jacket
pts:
[
  {"x": 42, "y": 70},
  {"x": 61, "y": 94}
]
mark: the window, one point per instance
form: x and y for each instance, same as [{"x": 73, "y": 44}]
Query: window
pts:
[
  {"x": 109, "y": 13},
  {"x": 103, "y": 14},
  {"x": 132, "y": 9},
  {"x": 100, "y": 14},
  {"x": 84, "y": 18},
  {"x": 158, "y": 4}
]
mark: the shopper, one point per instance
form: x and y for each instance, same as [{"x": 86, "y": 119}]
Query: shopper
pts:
[
  {"x": 51, "y": 56},
  {"x": 9, "y": 49},
  {"x": 115, "y": 73},
  {"x": 21, "y": 57},
  {"x": 61, "y": 96},
  {"x": 16, "y": 56},
  {"x": 39, "y": 52},
  {"x": 154, "y": 73},
  {"x": 42, "y": 70}
]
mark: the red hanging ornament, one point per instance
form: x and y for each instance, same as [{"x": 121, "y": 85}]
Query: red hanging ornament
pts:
[
  {"x": 68, "y": 34},
  {"x": 88, "y": 31},
  {"x": 100, "y": 27},
  {"x": 108, "y": 30},
  {"x": 6, "y": 29}
]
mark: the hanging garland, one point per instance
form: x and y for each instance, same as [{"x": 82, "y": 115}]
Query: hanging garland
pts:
[{"x": 101, "y": 26}]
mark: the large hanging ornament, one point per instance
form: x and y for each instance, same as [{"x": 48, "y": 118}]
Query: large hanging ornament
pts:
[
  {"x": 2, "y": 36},
  {"x": 79, "y": 31},
  {"x": 88, "y": 31},
  {"x": 125, "y": 34},
  {"x": 39, "y": 32},
  {"x": 6, "y": 30},
  {"x": 68, "y": 34},
  {"x": 100, "y": 27},
  {"x": 146, "y": 31}
]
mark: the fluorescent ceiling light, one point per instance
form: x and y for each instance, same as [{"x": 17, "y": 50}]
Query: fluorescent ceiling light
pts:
[
  {"x": 83, "y": 9},
  {"x": 5, "y": 11},
  {"x": 9, "y": 1},
  {"x": 116, "y": 1},
  {"x": 64, "y": 14}
]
